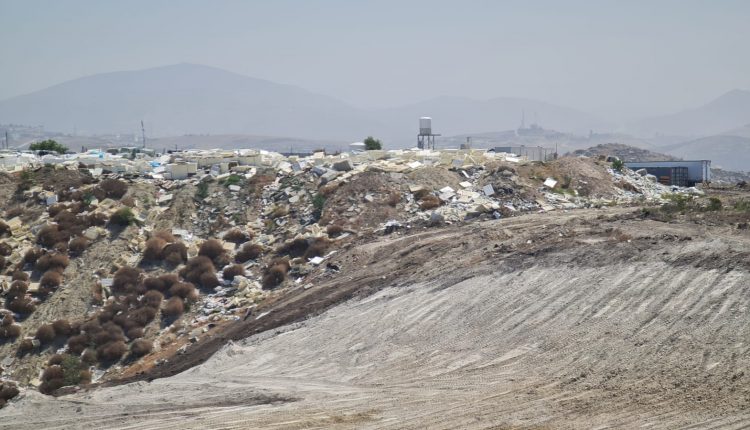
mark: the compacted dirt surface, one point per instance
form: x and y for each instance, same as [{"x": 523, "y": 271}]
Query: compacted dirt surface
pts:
[{"x": 582, "y": 319}]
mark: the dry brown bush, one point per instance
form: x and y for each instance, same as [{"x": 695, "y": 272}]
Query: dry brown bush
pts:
[
  {"x": 236, "y": 235},
  {"x": 78, "y": 343},
  {"x": 51, "y": 279},
  {"x": 318, "y": 246},
  {"x": 7, "y": 319},
  {"x": 20, "y": 275},
  {"x": 111, "y": 351},
  {"x": 154, "y": 249},
  {"x": 16, "y": 290},
  {"x": 164, "y": 235},
  {"x": 183, "y": 290},
  {"x": 212, "y": 249},
  {"x": 334, "y": 230},
  {"x": 128, "y": 201},
  {"x": 62, "y": 327},
  {"x": 175, "y": 253},
  {"x": 47, "y": 262},
  {"x": 279, "y": 211},
  {"x": 78, "y": 245},
  {"x": 15, "y": 211},
  {"x": 25, "y": 346},
  {"x": 328, "y": 189},
  {"x": 196, "y": 268},
  {"x": 209, "y": 281},
  {"x": 394, "y": 197},
  {"x": 10, "y": 331},
  {"x": 56, "y": 359},
  {"x": 126, "y": 280},
  {"x": 135, "y": 333},
  {"x": 88, "y": 356},
  {"x": 153, "y": 299},
  {"x": 294, "y": 248},
  {"x": 8, "y": 390},
  {"x": 85, "y": 376},
  {"x": 249, "y": 251},
  {"x": 4, "y": 228},
  {"x": 421, "y": 193},
  {"x": 5, "y": 249},
  {"x": 21, "y": 305},
  {"x": 234, "y": 270},
  {"x": 32, "y": 255},
  {"x": 97, "y": 219},
  {"x": 140, "y": 347},
  {"x": 113, "y": 188},
  {"x": 173, "y": 307},
  {"x": 274, "y": 276},
  {"x": 429, "y": 202},
  {"x": 50, "y": 235},
  {"x": 45, "y": 333}
]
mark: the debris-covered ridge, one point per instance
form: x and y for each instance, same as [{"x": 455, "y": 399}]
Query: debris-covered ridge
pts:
[{"x": 114, "y": 264}]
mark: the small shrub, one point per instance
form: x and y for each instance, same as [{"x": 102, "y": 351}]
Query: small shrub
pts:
[
  {"x": 51, "y": 279},
  {"x": 62, "y": 327},
  {"x": 111, "y": 351},
  {"x": 8, "y": 390},
  {"x": 234, "y": 270},
  {"x": 123, "y": 217},
  {"x": 294, "y": 248},
  {"x": 196, "y": 267},
  {"x": 135, "y": 333},
  {"x": 32, "y": 255},
  {"x": 154, "y": 249},
  {"x": 183, "y": 290},
  {"x": 16, "y": 290},
  {"x": 5, "y": 249},
  {"x": 318, "y": 247},
  {"x": 274, "y": 276},
  {"x": 393, "y": 198},
  {"x": 113, "y": 188},
  {"x": 334, "y": 230},
  {"x": 153, "y": 299},
  {"x": 279, "y": 211},
  {"x": 97, "y": 219},
  {"x": 10, "y": 332},
  {"x": 25, "y": 346},
  {"x": 52, "y": 262},
  {"x": 714, "y": 204},
  {"x": 249, "y": 251},
  {"x": 126, "y": 280},
  {"x": 173, "y": 307},
  {"x": 140, "y": 347},
  {"x": 51, "y": 234},
  {"x": 618, "y": 165},
  {"x": 78, "y": 245},
  {"x": 78, "y": 343},
  {"x": 128, "y": 201},
  {"x": 175, "y": 253},
  {"x": 56, "y": 359},
  {"x": 45, "y": 333},
  {"x": 212, "y": 249},
  {"x": 22, "y": 305},
  {"x": 236, "y": 235},
  {"x": 20, "y": 275},
  {"x": 429, "y": 202},
  {"x": 88, "y": 356},
  {"x": 209, "y": 281}
]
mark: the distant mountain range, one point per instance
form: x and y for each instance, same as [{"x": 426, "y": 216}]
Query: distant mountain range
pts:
[
  {"x": 193, "y": 99},
  {"x": 727, "y": 112}
]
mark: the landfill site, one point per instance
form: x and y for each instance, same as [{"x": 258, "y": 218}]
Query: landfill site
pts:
[{"x": 371, "y": 289}]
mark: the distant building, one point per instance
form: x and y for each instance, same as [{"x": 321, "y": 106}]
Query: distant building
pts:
[{"x": 685, "y": 173}]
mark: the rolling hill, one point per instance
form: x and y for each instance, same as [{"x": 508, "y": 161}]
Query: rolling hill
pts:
[{"x": 726, "y": 112}]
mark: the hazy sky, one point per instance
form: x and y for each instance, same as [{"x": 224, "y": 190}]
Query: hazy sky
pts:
[{"x": 613, "y": 58}]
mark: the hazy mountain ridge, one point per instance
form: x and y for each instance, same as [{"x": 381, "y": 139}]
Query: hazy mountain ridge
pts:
[
  {"x": 729, "y": 111},
  {"x": 193, "y": 99}
]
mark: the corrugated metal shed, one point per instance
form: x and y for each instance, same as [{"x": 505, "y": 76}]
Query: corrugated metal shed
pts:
[{"x": 698, "y": 171}]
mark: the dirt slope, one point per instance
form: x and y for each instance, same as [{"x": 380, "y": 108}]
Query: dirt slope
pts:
[{"x": 587, "y": 319}]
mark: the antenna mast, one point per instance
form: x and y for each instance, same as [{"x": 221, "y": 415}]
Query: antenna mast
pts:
[{"x": 143, "y": 135}]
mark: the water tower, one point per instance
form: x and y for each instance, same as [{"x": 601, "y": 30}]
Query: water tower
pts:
[{"x": 425, "y": 138}]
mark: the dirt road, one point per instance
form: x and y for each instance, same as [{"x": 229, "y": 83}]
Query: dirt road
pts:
[{"x": 586, "y": 319}]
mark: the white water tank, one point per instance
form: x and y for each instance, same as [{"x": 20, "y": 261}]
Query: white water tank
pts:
[{"x": 425, "y": 125}]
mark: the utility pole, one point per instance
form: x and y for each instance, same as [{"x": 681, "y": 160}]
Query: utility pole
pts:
[
  {"x": 143, "y": 135},
  {"x": 7, "y": 142}
]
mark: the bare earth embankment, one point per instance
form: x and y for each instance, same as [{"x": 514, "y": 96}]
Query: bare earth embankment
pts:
[{"x": 586, "y": 319}]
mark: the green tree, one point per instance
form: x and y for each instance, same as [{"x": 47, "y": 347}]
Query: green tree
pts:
[
  {"x": 618, "y": 165},
  {"x": 49, "y": 145},
  {"x": 372, "y": 144}
]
